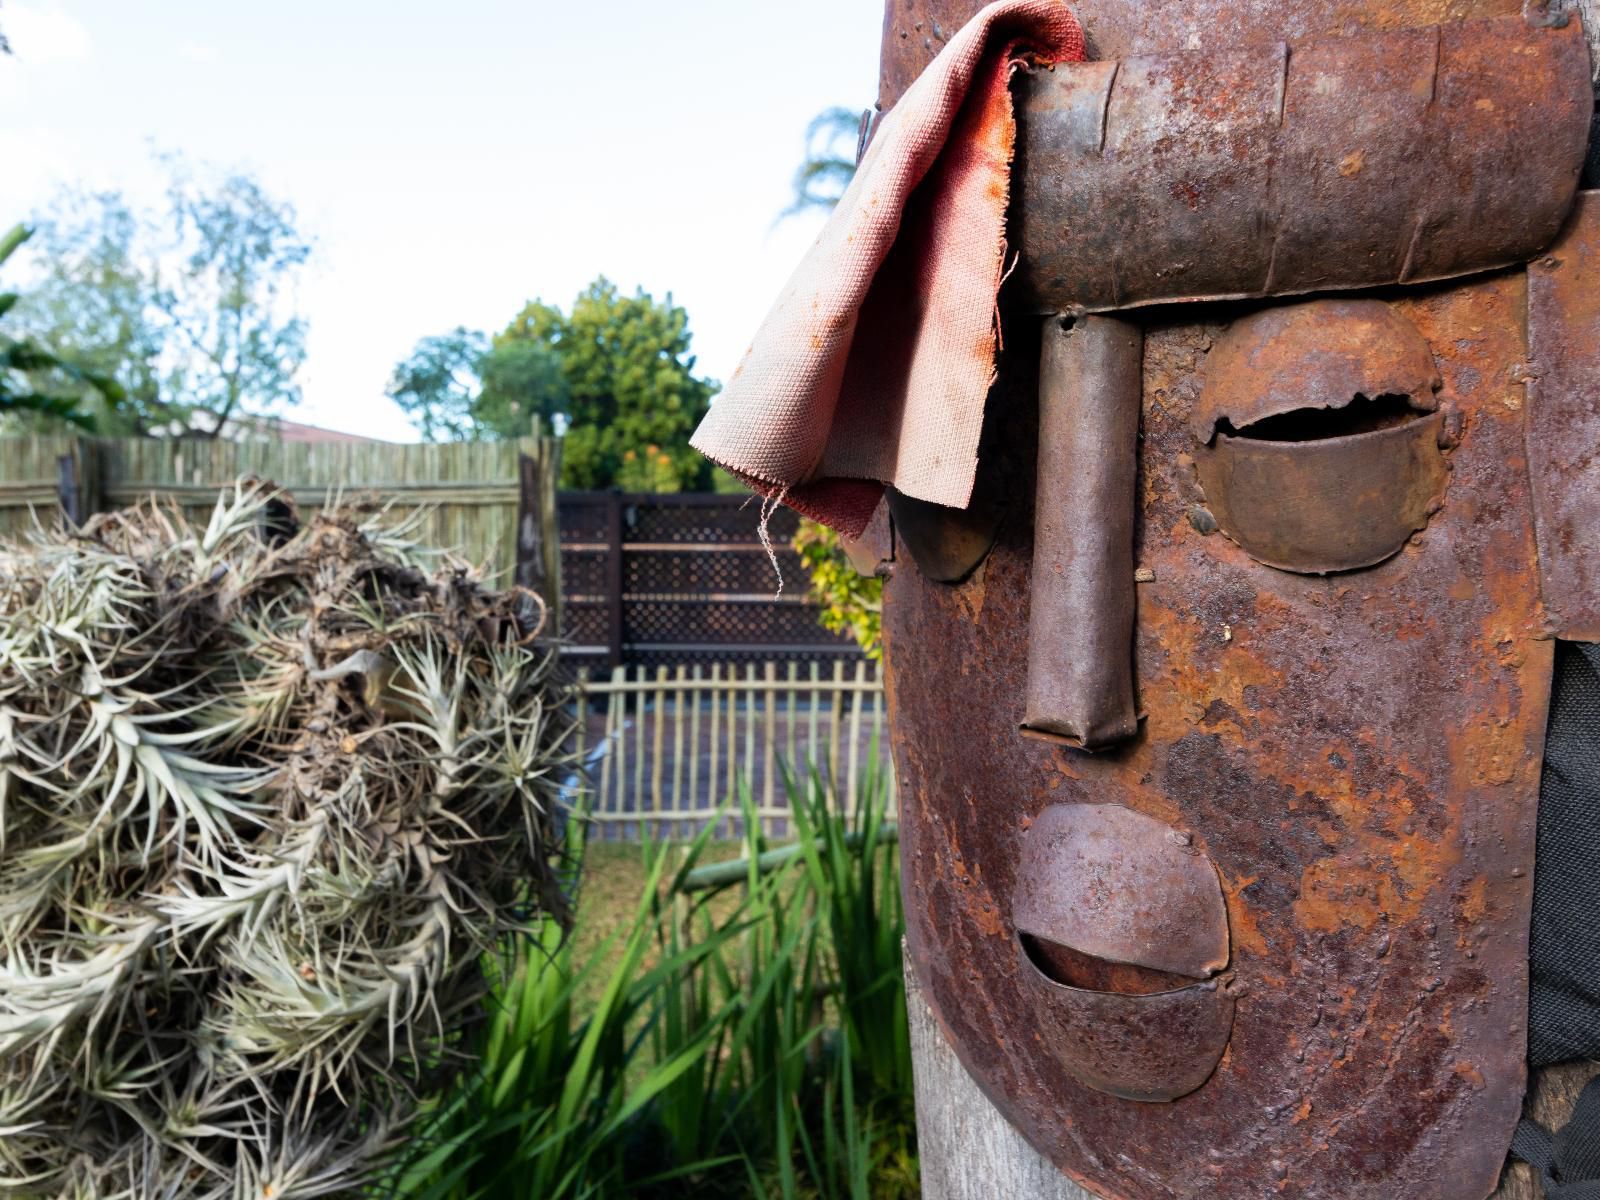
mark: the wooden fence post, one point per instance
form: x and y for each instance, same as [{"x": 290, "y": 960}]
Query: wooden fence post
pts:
[
  {"x": 614, "y": 578},
  {"x": 538, "y": 536},
  {"x": 77, "y": 482}
]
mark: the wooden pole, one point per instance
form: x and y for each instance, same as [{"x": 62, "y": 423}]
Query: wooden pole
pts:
[
  {"x": 968, "y": 1150},
  {"x": 536, "y": 529}
]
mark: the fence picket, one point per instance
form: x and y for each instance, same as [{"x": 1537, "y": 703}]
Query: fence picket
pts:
[
  {"x": 581, "y": 713},
  {"x": 694, "y": 744},
  {"x": 857, "y": 696},
  {"x": 638, "y": 746},
  {"x": 835, "y": 716},
  {"x": 770, "y": 747},
  {"x": 793, "y": 692},
  {"x": 814, "y": 757},
  {"x": 716, "y": 728},
  {"x": 616, "y": 744},
  {"x": 656, "y": 740},
  {"x": 750, "y": 730},
  {"x": 680, "y": 675}
]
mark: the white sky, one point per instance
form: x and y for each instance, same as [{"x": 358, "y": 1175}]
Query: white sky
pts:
[{"x": 453, "y": 160}]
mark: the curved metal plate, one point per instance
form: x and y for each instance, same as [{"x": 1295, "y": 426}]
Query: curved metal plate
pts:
[
  {"x": 1316, "y": 354},
  {"x": 947, "y": 544},
  {"x": 1386, "y": 157},
  {"x": 1564, "y": 422},
  {"x": 1115, "y": 884},
  {"x": 914, "y": 31},
  {"x": 1148, "y": 1048},
  {"x": 1333, "y": 505}
]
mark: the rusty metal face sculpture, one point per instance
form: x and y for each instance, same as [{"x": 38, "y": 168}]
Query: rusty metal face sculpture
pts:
[{"x": 1222, "y": 886}]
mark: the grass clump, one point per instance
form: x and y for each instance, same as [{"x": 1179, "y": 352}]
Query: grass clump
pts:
[{"x": 747, "y": 1038}]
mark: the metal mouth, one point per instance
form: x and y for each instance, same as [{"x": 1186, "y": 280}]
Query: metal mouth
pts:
[
  {"x": 1153, "y": 1048},
  {"x": 1070, "y": 968}
]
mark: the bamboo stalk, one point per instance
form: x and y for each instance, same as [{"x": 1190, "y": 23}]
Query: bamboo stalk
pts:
[
  {"x": 656, "y": 740},
  {"x": 638, "y": 746},
  {"x": 835, "y": 716},
  {"x": 769, "y": 754},
  {"x": 855, "y": 737},
  {"x": 694, "y": 748},
  {"x": 680, "y": 675}
]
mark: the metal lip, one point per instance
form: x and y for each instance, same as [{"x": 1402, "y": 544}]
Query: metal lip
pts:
[
  {"x": 1221, "y": 980},
  {"x": 1368, "y": 494},
  {"x": 1388, "y": 432}
]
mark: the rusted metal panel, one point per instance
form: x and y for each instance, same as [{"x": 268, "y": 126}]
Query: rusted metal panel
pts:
[
  {"x": 1281, "y": 168},
  {"x": 1324, "y": 506},
  {"x": 1317, "y": 445},
  {"x": 915, "y": 30},
  {"x": 1115, "y": 884},
  {"x": 947, "y": 544},
  {"x": 1564, "y": 422},
  {"x": 1359, "y": 757},
  {"x": 1320, "y": 354},
  {"x": 1080, "y": 664},
  {"x": 1151, "y": 1049}
]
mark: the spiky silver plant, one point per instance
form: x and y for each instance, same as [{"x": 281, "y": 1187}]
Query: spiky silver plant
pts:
[{"x": 265, "y": 803}]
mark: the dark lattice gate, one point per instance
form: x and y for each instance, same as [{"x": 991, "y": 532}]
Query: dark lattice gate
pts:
[{"x": 670, "y": 579}]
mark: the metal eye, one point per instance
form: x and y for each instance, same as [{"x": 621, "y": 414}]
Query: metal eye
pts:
[{"x": 1318, "y": 435}]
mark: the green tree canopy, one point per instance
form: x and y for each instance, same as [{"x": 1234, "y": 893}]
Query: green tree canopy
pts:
[
  {"x": 613, "y": 378},
  {"x": 829, "y": 162},
  {"x": 34, "y": 380},
  {"x": 190, "y": 306}
]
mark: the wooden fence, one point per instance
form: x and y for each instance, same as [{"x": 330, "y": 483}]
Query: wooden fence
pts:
[
  {"x": 664, "y": 748},
  {"x": 493, "y": 502},
  {"x": 671, "y": 580}
]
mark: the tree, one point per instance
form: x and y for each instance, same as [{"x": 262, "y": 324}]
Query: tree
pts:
[
  {"x": 95, "y": 302},
  {"x": 829, "y": 164},
  {"x": 190, "y": 307},
  {"x": 230, "y": 302},
  {"x": 632, "y": 396},
  {"x": 438, "y": 385},
  {"x": 459, "y": 386},
  {"x": 613, "y": 378},
  {"x": 34, "y": 379},
  {"x": 524, "y": 389},
  {"x": 851, "y": 602}
]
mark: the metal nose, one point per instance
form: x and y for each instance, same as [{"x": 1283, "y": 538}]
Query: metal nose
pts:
[{"x": 1080, "y": 630}]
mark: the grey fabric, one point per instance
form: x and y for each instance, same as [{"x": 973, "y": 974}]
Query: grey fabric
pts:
[
  {"x": 1564, "y": 967},
  {"x": 1564, "y": 994},
  {"x": 1568, "y": 1160}
]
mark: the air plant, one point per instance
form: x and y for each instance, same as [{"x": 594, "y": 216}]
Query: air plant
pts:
[{"x": 269, "y": 796}]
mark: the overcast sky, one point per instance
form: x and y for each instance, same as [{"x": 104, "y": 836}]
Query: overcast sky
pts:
[{"x": 455, "y": 159}]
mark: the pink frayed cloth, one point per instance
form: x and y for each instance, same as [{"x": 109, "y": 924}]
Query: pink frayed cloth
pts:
[{"x": 873, "y": 366}]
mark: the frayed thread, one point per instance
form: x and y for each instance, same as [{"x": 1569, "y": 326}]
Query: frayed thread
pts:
[{"x": 769, "y": 506}]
